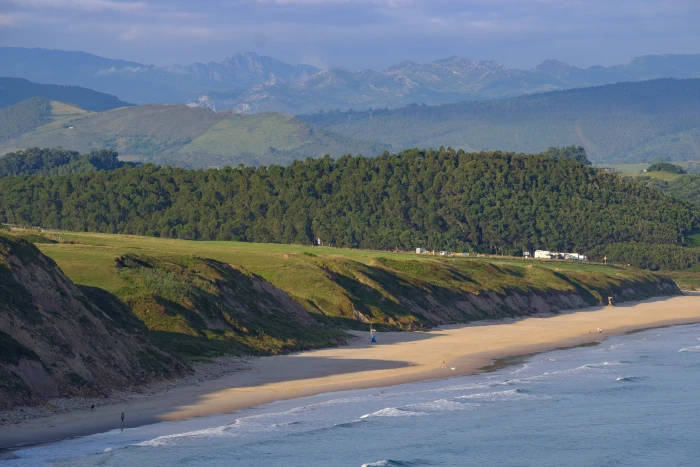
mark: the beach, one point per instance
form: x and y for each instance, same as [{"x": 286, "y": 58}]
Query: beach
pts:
[{"x": 397, "y": 358}]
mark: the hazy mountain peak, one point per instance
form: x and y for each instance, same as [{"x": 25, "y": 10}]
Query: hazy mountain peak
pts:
[
  {"x": 553, "y": 66},
  {"x": 404, "y": 65}
]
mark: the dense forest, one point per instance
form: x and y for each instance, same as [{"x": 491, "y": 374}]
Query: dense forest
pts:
[
  {"x": 59, "y": 161},
  {"x": 624, "y": 122},
  {"x": 437, "y": 199}
]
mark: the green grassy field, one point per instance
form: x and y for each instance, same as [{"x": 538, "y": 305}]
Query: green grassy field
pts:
[{"x": 271, "y": 261}]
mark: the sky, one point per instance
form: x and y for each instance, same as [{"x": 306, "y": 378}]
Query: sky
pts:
[{"x": 357, "y": 34}]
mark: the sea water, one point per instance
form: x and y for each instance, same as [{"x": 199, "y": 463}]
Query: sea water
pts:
[{"x": 631, "y": 400}]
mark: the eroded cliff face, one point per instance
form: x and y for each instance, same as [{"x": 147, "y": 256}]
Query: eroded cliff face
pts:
[
  {"x": 492, "y": 305},
  {"x": 55, "y": 341},
  {"x": 409, "y": 295}
]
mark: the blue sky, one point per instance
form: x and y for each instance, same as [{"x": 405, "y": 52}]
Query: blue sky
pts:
[{"x": 357, "y": 33}]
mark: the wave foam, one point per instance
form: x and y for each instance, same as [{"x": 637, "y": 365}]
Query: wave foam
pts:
[
  {"x": 392, "y": 463},
  {"x": 169, "y": 439},
  {"x": 441, "y": 405},
  {"x": 394, "y": 412},
  {"x": 498, "y": 396},
  {"x": 630, "y": 379},
  {"x": 691, "y": 349}
]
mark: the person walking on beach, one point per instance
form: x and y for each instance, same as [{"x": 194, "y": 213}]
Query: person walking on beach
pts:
[{"x": 122, "y": 417}]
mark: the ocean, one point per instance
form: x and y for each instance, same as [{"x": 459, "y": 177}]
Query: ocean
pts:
[{"x": 631, "y": 400}]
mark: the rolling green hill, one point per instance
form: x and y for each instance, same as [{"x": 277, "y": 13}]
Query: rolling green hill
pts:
[
  {"x": 191, "y": 137},
  {"x": 14, "y": 90},
  {"x": 625, "y": 122}
]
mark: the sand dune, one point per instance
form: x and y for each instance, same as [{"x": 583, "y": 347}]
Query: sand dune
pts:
[{"x": 396, "y": 358}]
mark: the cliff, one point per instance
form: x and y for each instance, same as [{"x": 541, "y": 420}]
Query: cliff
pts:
[{"x": 55, "y": 341}]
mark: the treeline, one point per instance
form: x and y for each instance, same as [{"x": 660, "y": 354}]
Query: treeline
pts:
[
  {"x": 58, "y": 161},
  {"x": 572, "y": 153},
  {"x": 647, "y": 256},
  {"x": 438, "y": 199}
]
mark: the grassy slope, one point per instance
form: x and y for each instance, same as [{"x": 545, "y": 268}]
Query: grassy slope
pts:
[
  {"x": 174, "y": 134},
  {"x": 335, "y": 285}
]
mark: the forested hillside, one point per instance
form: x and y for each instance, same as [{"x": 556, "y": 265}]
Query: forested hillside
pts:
[
  {"x": 191, "y": 137},
  {"x": 14, "y": 90},
  {"x": 24, "y": 117},
  {"x": 59, "y": 161},
  {"x": 447, "y": 199},
  {"x": 625, "y": 122},
  {"x": 686, "y": 187}
]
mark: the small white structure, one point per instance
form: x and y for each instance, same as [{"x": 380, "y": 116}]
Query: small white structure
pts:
[
  {"x": 444, "y": 253},
  {"x": 543, "y": 254},
  {"x": 420, "y": 251},
  {"x": 526, "y": 254}
]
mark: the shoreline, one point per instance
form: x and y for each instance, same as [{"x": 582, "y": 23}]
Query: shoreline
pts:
[{"x": 398, "y": 358}]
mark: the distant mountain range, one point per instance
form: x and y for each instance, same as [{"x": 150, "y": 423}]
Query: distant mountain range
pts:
[
  {"x": 140, "y": 83},
  {"x": 624, "y": 122},
  {"x": 249, "y": 83}
]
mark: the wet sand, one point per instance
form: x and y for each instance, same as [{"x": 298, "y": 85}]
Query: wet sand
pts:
[{"x": 398, "y": 357}]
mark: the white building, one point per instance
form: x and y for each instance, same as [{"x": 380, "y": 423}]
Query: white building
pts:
[
  {"x": 543, "y": 254},
  {"x": 420, "y": 251},
  {"x": 444, "y": 253}
]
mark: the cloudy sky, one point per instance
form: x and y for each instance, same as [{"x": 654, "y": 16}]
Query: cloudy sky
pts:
[{"x": 357, "y": 33}]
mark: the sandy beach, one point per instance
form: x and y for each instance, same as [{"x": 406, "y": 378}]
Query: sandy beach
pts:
[{"x": 398, "y": 357}]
